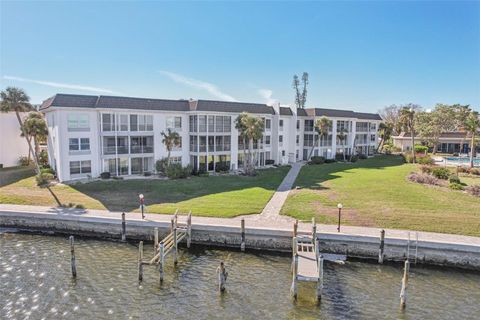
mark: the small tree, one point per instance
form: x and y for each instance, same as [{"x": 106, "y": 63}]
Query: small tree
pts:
[
  {"x": 407, "y": 122},
  {"x": 35, "y": 128},
  {"x": 15, "y": 99},
  {"x": 385, "y": 130},
  {"x": 171, "y": 139},
  {"x": 300, "y": 97},
  {"x": 472, "y": 126},
  {"x": 342, "y": 136},
  {"x": 322, "y": 125},
  {"x": 250, "y": 128}
]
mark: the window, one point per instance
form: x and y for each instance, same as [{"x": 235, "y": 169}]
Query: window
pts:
[
  {"x": 298, "y": 126},
  {"x": 141, "y": 165},
  {"x": 211, "y": 123},
  {"x": 141, "y": 144},
  {"x": 283, "y": 153},
  {"x": 108, "y": 122},
  {"x": 219, "y": 123},
  {"x": 78, "y": 122},
  {"x": 342, "y": 126},
  {"x": 268, "y": 124},
  {"x": 193, "y": 143},
  {"x": 361, "y": 126},
  {"x": 176, "y": 160},
  {"x": 202, "y": 123},
  {"x": 297, "y": 139},
  {"x": 308, "y": 140},
  {"x": 372, "y": 138},
  {"x": 174, "y": 122},
  {"x": 267, "y": 140},
  {"x": 373, "y": 126},
  {"x": 80, "y": 167},
  {"x": 192, "y": 123},
  {"x": 203, "y": 144},
  {"x": 211, "y": 144},
  {"x": 280, "y": 124},
  {"x": 133, "y": 122},
  {"x": 141, "y": 122},
  {"x": 226, "y": 124},
  {"x": 123, "y": 122},
  {"x": 84, "y": 144},
  {"x": 280, "y": 141},
  {"x": 77, "y": 144},
  {"x": 73, "y": 144},
  {"x": 176, "y": 147},
  {"x": 308, "y": 125}
]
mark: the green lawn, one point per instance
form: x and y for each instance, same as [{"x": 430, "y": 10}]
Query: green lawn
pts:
[
  {"x": 375, "y": 192},
  {"x": 216, "y": 196}
]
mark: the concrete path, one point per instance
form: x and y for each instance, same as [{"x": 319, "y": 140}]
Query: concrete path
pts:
[
  {"x": 251, "y": 222},
  {"x": 273, "y": 207}
]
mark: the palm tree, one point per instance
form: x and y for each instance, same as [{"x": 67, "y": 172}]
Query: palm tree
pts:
[
  {"x": 472, "y": 126},
  {"x": 35, "y": 127},
  {"x": 385, "y": 131},
  {"x": 170, "y": 139},
  {"x": 250, "y": 128},
  {"x": 342, "y": 136},
  {"x": 15, "y": 99},
  {"x": 322, "y": 126},
  {"x": 407, "y": 122}
]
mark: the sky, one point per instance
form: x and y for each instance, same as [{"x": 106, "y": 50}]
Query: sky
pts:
[{"x": 360, "y": 56}]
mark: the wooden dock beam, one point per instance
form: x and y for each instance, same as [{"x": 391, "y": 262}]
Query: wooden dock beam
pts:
[
  {"x": 242, "y": 243},
  {"x": 382, "y": 246},
  {"x": 124, "y": 228},
  {"x": 403, "y": 292},
  {"x": 72, "y": 258},
  {"x": 140, "y": 261}
]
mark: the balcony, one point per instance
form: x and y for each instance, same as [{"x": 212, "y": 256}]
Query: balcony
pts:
[
  {"x": 115, "y": 150},
  {"x": 141, "y": 149}
]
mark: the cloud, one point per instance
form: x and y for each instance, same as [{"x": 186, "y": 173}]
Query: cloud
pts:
[
  {"x": 202, "y": 85},
  {"x": 61, "y": 85},
  {"x": 267, "y": 95}
]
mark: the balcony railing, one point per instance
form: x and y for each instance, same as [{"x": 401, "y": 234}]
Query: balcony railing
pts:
[
  {"x": 141, "y": 149},
  {"x": 115, "y": 150}
]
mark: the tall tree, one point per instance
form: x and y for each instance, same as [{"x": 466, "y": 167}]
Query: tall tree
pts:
[
  {"x": 391, "y": 117},
  {"x": 385, "y": 131},
  {"x": 342, "y": 137},
  {"x": 171, "y": 139},
  {"x": 35, "y": 127},
  {"x": 472, "y": 127},
  {"x": 322, "y": 126},
  {"x": 407, "y": 122},
  {"x": 300, "y": 97},
  {"x": 16, "y": 100},
  {"x": 250, "y": 128}
]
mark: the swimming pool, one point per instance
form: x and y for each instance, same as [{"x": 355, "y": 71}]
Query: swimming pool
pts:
[{"x": 458, "y": 160}]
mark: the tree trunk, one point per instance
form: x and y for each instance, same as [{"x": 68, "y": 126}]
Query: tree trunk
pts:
[
  {"x": 251, "y": 168},
  {"x": 168, "y": 157},
  {"x": 379, "y": 145},
  {"x": 37, "y": 167},
  {"x": 37, "y": 148},
  {"x": 472, "y": 149},
  {"x": 413, "y": 146}
]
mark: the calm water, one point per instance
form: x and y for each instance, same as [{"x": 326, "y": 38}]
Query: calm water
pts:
[{"x": 35, "y": 283}]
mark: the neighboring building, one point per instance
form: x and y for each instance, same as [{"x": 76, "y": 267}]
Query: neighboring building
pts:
[
  {"x": 93, "y": 134},
  {"x": 12, "y": 145},
  {"x": 449, "y": 142}
]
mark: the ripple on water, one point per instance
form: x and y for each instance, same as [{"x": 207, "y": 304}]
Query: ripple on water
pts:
[{"x": 257, "y": 288}]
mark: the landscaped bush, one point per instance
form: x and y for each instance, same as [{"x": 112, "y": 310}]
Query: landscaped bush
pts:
[
  {"x": 44, "y": 178},
  {"x": 426, "y": 169},
  {"x": 317, "y": 160},
  {"x": 454, "y": 179},
  {"x": 423, "y": 178},
  {"x": 269, "y": 162},
  {"x": 455, "y": 186},
  {"x": 441, "y": 173},
  {"x": 474, "y": 190},
  {"x": 407, "y": 157},
  {"x": 80, "y": 206},
  {"x": 161, "y": 165},
  {"x": 421, "y": 149},
  {"x": 353, "y": 158},
  {"x": 105, "y": 175},
  {"x": 117, "y": 178},
  {"x": 24, "y": 162},
  {"x": 339, "y": 157},
  {"x": 425, "y": 160},
  {"x": 330, "y": 160},
  {"x": 43, "y": 159},
  {"x": 47, "y": 170},
  {"x": 176, "y": 171},
  {"x": 474, "y": 171},
  {"x": 222, "y": 167},
  {"x": 147, "y": 173},
  {"x": 362, "y": 156}
]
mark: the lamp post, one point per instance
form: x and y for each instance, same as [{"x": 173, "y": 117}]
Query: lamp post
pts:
[
  {"x": 142, "y": 202},
  {"x": 339, "y": 206}
]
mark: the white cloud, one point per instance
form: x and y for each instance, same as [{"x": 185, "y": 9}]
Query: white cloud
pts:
[
  {"x": 209, "y": 87},
  {"x": 267, "y": 95},
  {"x": 61, "y": 85}
]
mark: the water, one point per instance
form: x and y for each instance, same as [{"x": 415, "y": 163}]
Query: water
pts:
[
  {"x": 36, "y": 283},
  {"x": 458, "y": 160}
]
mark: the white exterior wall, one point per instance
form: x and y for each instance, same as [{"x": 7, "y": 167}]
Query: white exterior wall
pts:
[{"x": 12, "y": 145}]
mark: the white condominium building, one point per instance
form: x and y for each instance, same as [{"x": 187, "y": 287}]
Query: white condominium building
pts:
[{"x": 89, "y": 135}]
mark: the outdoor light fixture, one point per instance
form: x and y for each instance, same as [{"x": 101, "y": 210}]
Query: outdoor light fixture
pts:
[
  {"x": 142, "y": 202},
  {"x": 339, "y": 206}
]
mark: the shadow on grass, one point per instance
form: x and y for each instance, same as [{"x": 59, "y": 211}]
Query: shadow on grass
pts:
[
  {"x": 122, "y": 195},
  {"x": 15, "y": 174},
  {"x": 312, "y": 176}
]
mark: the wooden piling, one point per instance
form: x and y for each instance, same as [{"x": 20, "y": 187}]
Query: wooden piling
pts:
[
  {"x": 161, "y": 261},
  {"x": 124, "y": 227},
  {"x": 295, "y": 228},
  {"x": 314, "y": 231},
  {"x": 140, "y": 261},
  {"x": 189, "y": 229},
  {"x": 320, "y": 278},
  {"x": 294, "y": 289},
  {"x": 72, "y": 259},
  {"x": 222, "y": 277},
  {"x": 155, "y": 241},
  {"x": 382, "y": 246},
  {"x": 242, "y": 244},
  {"x": 403, "y": 292},
  {"x": 175, "y": 244}
]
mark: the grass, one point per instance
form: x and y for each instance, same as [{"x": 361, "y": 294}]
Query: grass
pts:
[
  {"x": 375, "y": 192},
  {"x": 215, "y": 196}
]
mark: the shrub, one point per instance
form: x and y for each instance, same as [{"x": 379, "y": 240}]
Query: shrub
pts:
[
  {"x": 317, "y": 160},
  {"x": 474, "y": 190},
  {"x": 423, "y": 178},
  {"x": 463, "y": 169},
  {"x": 339, "y": 157},
  {"x": 362, "y": 156},
  {"x": 407, "y": 157},
  {"x": 48, "y": 170},
  {"x": 455, "y": 186},
  {"x": 44, "y": 178},
  {"x": 441, "y": 173},
  {"x": 474, "y": 171},
  {"x": 421, "y": 149},
  {"x": 176, "y": 171},
  {"x": 269, "y": 162},
  {"x": 454, "y": 179},
  {"x": 426, "y": 169},
  {"x": 117, "y": 178},
  {"x": 425, "y": 160},
  {"x": 147, "y": 173},
  {"x": 161, "y": 165},
  {"x": 330, "y": 160},
  {"x": 24, "y": 162},
  {"x": 105, "y": 175},
  {"x": 43, "y": 159},
  {"x": 222, "y": 167},
  {"x": 80, "y": 206},
  {"x": 353, "y": 158}
]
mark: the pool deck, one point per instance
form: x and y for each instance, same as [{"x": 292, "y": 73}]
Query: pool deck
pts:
[{"x": 261, "y": 233}]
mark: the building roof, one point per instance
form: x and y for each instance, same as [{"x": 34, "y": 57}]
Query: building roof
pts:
[
  {"x": 335, "y": 113},
  {"x": 286, "y": 111},
  {"x": 85, "y": 101}
]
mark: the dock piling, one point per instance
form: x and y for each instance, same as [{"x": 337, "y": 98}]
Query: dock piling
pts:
[
  {"x": 175, "y": 243},
  {"x": 155, "y": 241},
  {"x": 72, "y": 259},
  {"x": 320, "y": 278},
  {"x": 295, "y": 228},
  {"x": 140, "y": 261},
  {"x": 161, "y": 261},
  {"x": 222, "y": 277},
  {"x": 124, "y": 228},
  {"x": 294, "y": 289},
  {"x": 242, "y": 244},
  {"x": 403, "y": 292},
  {"x": 189, "y": 229},
  {"x": 382, "y": 246},
  {"x": 314, "y": 231}
]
